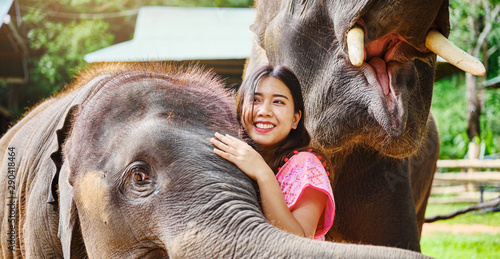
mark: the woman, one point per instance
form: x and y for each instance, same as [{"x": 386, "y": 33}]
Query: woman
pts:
[{"x": 297, "y": 196}]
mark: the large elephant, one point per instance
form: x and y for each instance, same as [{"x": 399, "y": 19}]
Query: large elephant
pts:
[
  {"x": 120, "y": 165},
  {"x": 367, "y": 76}
]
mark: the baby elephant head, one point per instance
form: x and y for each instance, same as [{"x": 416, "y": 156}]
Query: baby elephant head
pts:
[{"x": 139, "y": 165}]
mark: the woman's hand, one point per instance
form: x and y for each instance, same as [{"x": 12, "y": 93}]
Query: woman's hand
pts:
[{"x": 242, "y": 155}]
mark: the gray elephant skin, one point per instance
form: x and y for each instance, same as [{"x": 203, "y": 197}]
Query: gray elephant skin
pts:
[
  {"x": 381, "y": 137},
  {"x": 120, "y": 166}
]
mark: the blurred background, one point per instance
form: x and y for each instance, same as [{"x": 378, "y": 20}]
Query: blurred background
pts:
[{"x": 44, "y": 43}]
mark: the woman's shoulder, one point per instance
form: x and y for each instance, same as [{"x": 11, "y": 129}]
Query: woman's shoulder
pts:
[
  {"x": 304, "y": 168},
  {"x": 306, "y": 156},
  {"x": 310, "y": 157},
  {"x": 302, "y": 159}
]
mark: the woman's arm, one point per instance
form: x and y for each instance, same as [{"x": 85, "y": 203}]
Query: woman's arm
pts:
[{"x": 304, "y": 217}]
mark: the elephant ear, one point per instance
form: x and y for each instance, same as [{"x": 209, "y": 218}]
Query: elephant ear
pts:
[
  {"x": 57, "y": 157},
  {"x": 68, "y": 233},
  {"x": 61, "y": 192}
]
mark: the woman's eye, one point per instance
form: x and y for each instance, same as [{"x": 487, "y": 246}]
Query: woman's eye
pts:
[
  {"x": 279, "y": 102},
  {"x": 140, "y": 176}
]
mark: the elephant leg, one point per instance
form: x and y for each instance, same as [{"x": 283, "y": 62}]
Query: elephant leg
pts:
[{"x": 422, "y": 169}]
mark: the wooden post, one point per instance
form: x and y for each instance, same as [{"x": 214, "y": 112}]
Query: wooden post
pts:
[{"x": 473, "y": 155}]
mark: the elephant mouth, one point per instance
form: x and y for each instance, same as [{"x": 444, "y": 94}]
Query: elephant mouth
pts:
[
  {"x": 383, "y": 60},
  {"x": 379, "y": 77}
]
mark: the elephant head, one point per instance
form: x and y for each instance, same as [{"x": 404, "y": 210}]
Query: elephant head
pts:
[
  {"x": 138, "y": 152},
  {"x": 366, "y": 66},
  {"x": 139, "y": 178}
]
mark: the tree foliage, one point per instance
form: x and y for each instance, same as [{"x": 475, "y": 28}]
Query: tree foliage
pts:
[
  {"x": 468, "y": 19},
  {"x": 61, "y": 46}
]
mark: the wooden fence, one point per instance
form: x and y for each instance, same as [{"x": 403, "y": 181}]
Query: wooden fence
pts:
[{"x": 475, "y": 182}]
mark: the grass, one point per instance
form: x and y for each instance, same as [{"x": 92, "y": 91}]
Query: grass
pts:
[{"x": 447, "y": 245}]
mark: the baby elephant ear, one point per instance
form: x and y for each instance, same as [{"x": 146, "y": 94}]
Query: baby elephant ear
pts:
[
  {"x": 67, "y": 211},
  {"x": 68, "y": 229},
  {"x": 60, "y": 135},
  {"x": 61, "y": 192}
]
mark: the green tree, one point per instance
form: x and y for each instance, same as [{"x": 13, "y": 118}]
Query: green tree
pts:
[
  {"x": 61, "y": 46},
  {"x": 466, "y": 113},
  {"x": 57, "y": 45}
]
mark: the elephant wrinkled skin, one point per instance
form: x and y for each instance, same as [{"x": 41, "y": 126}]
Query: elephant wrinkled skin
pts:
[
  {"x": 373, "y": 117},
  {"x": 121, "y": 166}
]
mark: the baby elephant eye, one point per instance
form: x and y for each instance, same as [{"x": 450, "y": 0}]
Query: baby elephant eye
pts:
[{"x": 140, "y": 176}]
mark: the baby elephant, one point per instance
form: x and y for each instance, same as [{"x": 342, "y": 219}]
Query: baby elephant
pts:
[{"x": 120, "y": 165}]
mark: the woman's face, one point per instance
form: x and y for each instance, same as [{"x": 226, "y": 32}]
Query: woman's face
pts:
[{"x": 273, "y": 114}]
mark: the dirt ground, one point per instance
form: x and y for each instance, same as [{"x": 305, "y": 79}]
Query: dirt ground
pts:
[{"x": 429, "y": 228}]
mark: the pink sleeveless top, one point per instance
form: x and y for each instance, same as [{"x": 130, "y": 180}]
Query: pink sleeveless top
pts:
[{"x": 301, "y": 171}]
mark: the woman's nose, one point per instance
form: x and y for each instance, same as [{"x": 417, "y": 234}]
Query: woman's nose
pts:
[{"x": 264, "y": 110}]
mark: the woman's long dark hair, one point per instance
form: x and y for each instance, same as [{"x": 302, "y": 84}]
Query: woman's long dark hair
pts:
[{"x": 298, "y": 139}]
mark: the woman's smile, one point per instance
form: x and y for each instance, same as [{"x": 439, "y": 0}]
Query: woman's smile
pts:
[{"x": 264, "y": 126}]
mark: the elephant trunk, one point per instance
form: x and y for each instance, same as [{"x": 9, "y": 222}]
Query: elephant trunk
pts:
[
  {"x": 276, "y": 243},
  {"x": 253, "y": 237}
]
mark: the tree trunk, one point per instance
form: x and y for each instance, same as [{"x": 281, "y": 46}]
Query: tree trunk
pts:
[
  {"x": 473, "y": 126},
  {"x": 473, "y": 107}
]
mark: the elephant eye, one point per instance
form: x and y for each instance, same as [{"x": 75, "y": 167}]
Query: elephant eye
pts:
[
  {"x": 139, "y": 175},
  {"x": 138, "y": 180}
]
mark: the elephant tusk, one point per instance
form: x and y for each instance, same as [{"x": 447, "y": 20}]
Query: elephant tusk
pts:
[
  {"x": 356, "y": 46},
  {"x": 441, "y": 46}
]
